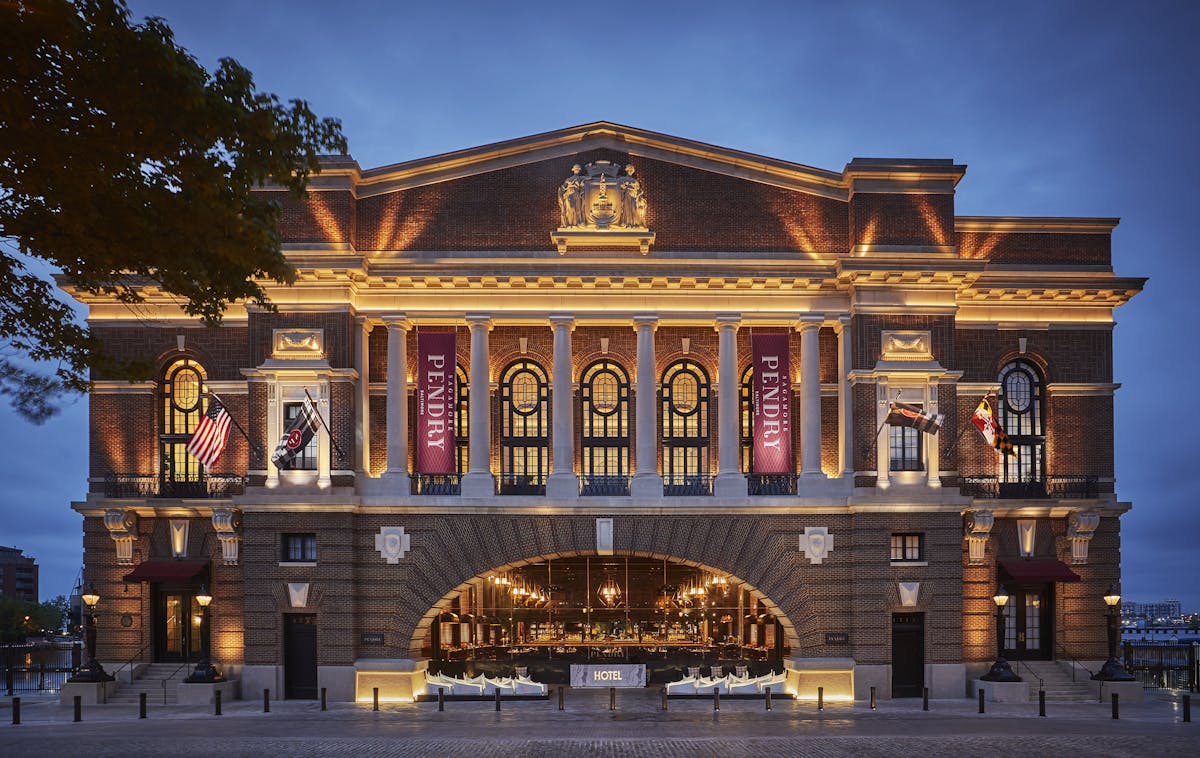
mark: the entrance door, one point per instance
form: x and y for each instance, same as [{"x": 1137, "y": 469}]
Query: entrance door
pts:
[
  {"x": 1028, "y": 624},
  {"x": 908, "y": 654},
  {"x": 300, "y": 657},
  {"x": 177, "y": 620}
]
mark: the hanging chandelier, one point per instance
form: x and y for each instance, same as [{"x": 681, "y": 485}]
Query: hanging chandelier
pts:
[{"x": 609, "y": 592}]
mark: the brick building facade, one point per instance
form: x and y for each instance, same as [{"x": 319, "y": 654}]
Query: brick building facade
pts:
[{"x": 883, "y": 292}]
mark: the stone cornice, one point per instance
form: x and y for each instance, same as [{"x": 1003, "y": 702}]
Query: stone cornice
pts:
[{"x": 1035, "y": 224}]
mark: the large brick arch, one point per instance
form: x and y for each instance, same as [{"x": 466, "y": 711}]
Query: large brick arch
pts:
[{"x": 449, "y": 552}]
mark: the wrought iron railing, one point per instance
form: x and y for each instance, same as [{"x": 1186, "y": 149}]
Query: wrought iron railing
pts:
[
  {"x": 771, "y": 484},
  {"x": 521, "y": 484},
  {"x": 683, "y": 485},
  {"x": 604, "y": 486},
  {"x": 137, "y": 486},
  {"x": 22, "y": 674},
  {"x": 1056, "y": 486},
  {"x": 1163, "y": 666},
  {"x": 436, "y": 484}
]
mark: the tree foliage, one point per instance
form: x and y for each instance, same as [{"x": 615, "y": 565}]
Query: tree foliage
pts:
[
  {"x": 125, "y": 163},
  {"x": 20, "y": 619}
]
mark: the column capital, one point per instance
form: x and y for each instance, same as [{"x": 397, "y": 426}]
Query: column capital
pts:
[
  {"x": 365, "y": 322},
  {"x": 810, "y": 321},
  {"x": 646, "y": 319},
  {"x": 727, "y": 320},
  {"x": 842, "y": 322},
  {"x": 397, "y": 321},
  {"x": 480, "y": 319},
  {"x": 563, "y": 319}
]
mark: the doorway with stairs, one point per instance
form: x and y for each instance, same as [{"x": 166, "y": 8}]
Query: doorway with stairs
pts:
[
  {"x": 1029, "y": 623},
  {"x": 177, "y": 622}
]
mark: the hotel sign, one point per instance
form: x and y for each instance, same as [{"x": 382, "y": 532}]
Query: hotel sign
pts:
[
  {"x": 608, "y": 675},
  {"x": 772, "y": 404},
  {"x": 437, "y": 392}
]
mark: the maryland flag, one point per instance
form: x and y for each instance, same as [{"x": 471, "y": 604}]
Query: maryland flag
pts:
[
  {"x": 992, "y": 431},
  {"x": 903, "y": 414}
]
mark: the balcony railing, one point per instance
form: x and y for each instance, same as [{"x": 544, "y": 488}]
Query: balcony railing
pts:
[
  {"x": 140, "y": 486},
  {"x": 1056, "y": 486},
  {"x": 436, "y": 484},
  {"x": 684, "y": 485},
  {"x": 604, "y": 486},
  {"x": 771, "y": 484},
  {"x": 521, "y": 484}
]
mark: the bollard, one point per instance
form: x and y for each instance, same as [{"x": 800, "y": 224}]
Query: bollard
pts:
[
  {"x": 1187, "y": 709},
  {"x": 441, "y": 698},
  {"x": 1041, "y": 702},
  {"x": 217, "y": 703},
  {"x": 374, "y": 698},
  {"x": 663, "y": 692},
  {"x": 716, "y": 699},
  {"x": 612, "y": 698},
  {"x": 266, "y": 701},
  {"x": 497, "y": 698},
  {"x": 981, "y": 694},
  {"x": 78, "y": 709},
  {"x": 872, "y": 698},
  {"x": 141, "y": 705},
  {"x": 1116, "y": 707},
  {"x": 16, "y": 706},
  {"x": 767, "y": 697},
  {"x": 820, "y": 698},
  {"x": 560, "y": 698},
  {"x": 324, "y": 706},
  {"x": 924, "y": 698}
]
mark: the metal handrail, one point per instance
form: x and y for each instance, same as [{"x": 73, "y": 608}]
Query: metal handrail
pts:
[
  {"x": 136, "y": 656},
  {"x": 1041, "y": 682},
  {"x": 171, "y": 676},
  {"x": 1050, "y": 487},
  {"x": 1074, "y": 662},
  {"x": 771, "y": 484}
]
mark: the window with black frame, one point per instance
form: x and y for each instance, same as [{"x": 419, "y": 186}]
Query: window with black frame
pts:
[
  {"x": 604, "y": 449},
  {"x": 905, "y": 449},
  {"x": 299, "y": 548},
  {"x": 746, "y": 405},
  {"x": 685, "y": 397},
  {"x": 524, "y": 429},
  {"x": 908, "y": 547},
  {"x": 183, "y": 405},
  {"x": 1022, "y": 416},
  {"x": 306, "y": 459}
]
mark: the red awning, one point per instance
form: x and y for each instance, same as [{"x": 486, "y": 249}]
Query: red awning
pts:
[
  {"x": 166, "y": 570},
  {"x": 1037, "y": 570}
]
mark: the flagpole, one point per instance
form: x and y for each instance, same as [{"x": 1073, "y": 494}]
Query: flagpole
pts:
[
  {"x": 254, "y": 446},
  {"x": 332, "y": 441},
  {"x": 875, "y": 440}
]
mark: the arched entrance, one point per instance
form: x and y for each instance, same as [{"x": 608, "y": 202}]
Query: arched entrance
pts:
[{"x": 545, "y": 613}]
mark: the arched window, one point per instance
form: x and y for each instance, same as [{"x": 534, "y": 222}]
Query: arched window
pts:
[
  {"x": 462, "y": 430},
  {"x": 524, "y": 429},
  {"x": 685, "y": 391},
  {"x": 183, "y": 404},
  {"x": 604, "y": 399},
  {"x": 1022, "y": 415}
]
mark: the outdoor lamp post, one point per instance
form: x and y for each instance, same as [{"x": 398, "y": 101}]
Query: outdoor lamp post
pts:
[
  {"x": 1112, "y": 670},
  {"x": 204, "y": 672},
  {"x": 91, "y": 671},
  {"x": 1000, "y": 671}
]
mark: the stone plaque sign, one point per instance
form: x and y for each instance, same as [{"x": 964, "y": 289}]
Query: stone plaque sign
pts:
[
  {"x": 371, "y": 638},
  {"x": 837, "y": 638},
  {"x": 608, "y": 675}
]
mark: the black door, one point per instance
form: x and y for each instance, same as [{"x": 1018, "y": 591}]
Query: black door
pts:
[
  {"x": 300, "y": 657},
  {"x": 1028, "y": 623},
  {"x": 177, "y": 620},
  {"x": 908, "y": 654}
]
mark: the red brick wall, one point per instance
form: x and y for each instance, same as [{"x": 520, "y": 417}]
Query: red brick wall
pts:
[
  {"x": 1037, "y": 249},
  {"x": 868, "y": 337},
  {"x": 892, "y": 219},
  {"x": 339, "y": 327},
  {"x": 1068, "y": 355},
  {"x": 319, "y": 216},
  {"x": 221, "y": 351},
  {"x": 122, "y": 434},
  {"x": 1079, "y": 436}
]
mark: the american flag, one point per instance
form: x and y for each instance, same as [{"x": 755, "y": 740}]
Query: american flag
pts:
[{"x": 208, "y": 442}]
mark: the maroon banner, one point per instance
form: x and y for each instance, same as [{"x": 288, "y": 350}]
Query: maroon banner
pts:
[
  {"x": 436, "y": 395},
  {"x": 772, "y": 405}
]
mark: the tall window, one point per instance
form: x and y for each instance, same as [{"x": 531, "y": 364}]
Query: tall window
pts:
[
  {"x": 183, "y": 404},
  {"x": 746, "y": 405},
  {"x": 462, "y": 429},
  {"x": 524, "y": 428},
  {"x": 1022, "y": 414},
  {"x": 685, "y": 391},
  {"x": 904, "y": 445},
  {"x": 307, "y": 458},
  {"x": 604, "y": 400}
]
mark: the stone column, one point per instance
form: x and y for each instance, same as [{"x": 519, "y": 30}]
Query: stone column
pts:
[
  {"x": 883, "y": 453},
  {"x": 647, "y": 482},
  {"x": 730, "y": 481},
  {"x": 562, "y": 482},
  {"x": 274, "y": 431},
  {"x": 324, "y": 442},
  {"x": 933, "y": 463},
  {"x": 397, "y": 404},
  {"x": 362, "y": 415},
  {"x": 478, "y": 481},
  {"x": 810, "y": 398},
  {"x": 845, "y": 399}
]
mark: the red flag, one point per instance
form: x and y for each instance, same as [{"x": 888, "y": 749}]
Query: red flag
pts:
[
  {"x": 437, "y": 391},
  {"x": 772, "y": 405},
  {"x": 208, "y": 441}
]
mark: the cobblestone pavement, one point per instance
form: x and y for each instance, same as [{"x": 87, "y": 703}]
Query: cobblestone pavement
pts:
[{"x": 587, "y": 727}]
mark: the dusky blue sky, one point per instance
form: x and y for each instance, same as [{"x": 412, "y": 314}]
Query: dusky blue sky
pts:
[{"x": 1082, "y": 108}]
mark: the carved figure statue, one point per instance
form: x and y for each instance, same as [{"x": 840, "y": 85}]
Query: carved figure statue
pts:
[
  {"x": 570, "y": 198},
  {"x": 633, "y": 211}
]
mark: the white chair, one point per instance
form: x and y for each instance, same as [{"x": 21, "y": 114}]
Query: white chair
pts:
[{"x": 775, "y": 681}]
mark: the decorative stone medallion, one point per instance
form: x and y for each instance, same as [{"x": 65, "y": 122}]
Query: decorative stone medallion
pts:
[
  {"x": 816, "y": 543},
  {"x": 392, "y": 543}
]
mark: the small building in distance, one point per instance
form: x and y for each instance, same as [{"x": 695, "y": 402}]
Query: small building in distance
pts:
[{"x": 18, "y": 575}]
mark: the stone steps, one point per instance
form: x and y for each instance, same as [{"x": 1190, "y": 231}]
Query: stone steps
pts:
[
  {"x": 150, "y": 681},
  {"x": 1056, "y": 681}
]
